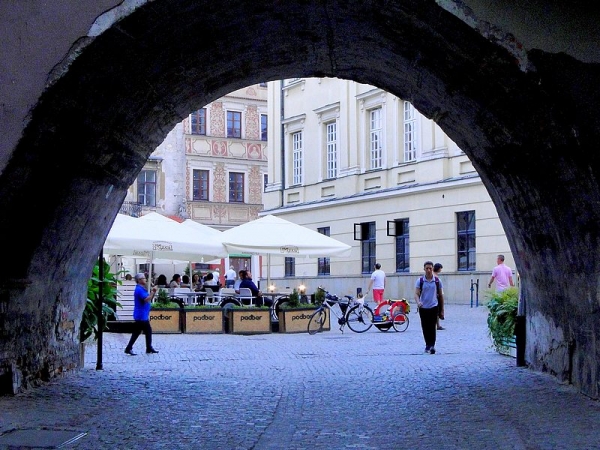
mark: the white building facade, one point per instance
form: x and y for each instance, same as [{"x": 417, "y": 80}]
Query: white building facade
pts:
[{"x": 366, "y": 168}]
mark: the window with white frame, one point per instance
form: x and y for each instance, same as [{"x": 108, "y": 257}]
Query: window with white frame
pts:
[
  {"x": 263, "y": 127},
  {"x": 331, "y": 150},
  {"x": 198, "y": 121},
  {"x": 200, "y": 185},
  {"x": 236, "y": 187},
  {"x": 375, "y": 139},
  {"x": 297, "y": 158},
  {"x": 410, "y": 135},
  {"x": 146, "y": 187},
  {"x": 234, "y": 124}
]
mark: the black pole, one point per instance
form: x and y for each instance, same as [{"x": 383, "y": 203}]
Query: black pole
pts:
[
  {"x": 521, "y": 329},
  {"x": 100, "y": 305}
]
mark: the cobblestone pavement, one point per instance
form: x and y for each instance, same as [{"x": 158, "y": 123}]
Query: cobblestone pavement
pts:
[{"x": 373, "y": 390}]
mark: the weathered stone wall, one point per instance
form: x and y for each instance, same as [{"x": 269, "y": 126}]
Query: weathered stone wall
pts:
[{"x": 526, "y": 118}]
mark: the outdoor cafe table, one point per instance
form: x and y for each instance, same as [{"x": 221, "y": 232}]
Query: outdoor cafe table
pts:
[{"x": 189, "y": 296}]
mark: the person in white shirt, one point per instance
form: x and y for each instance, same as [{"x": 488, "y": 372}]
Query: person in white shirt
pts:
[
  {"x": 230, "y": 277},
  {"x": 377, "y": 283}
]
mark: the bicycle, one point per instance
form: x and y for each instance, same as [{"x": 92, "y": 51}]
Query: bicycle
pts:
[{"x": 354, "y": 313}]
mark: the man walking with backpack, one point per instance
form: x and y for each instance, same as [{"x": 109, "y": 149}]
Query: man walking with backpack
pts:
[{"x": 430, "y": 300}]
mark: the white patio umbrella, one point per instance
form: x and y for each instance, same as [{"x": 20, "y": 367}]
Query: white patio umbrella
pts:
[
  {"x": 272, "y": 235},
  {"x": 160, "y": 237}
]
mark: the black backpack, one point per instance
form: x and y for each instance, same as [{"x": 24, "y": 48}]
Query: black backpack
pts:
[{"x": 437, "y": 285}]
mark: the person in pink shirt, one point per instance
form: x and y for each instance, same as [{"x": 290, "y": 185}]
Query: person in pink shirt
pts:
[{"x": 502, "y": 274}]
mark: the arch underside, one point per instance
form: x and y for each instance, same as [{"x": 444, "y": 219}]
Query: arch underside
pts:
[{"x": 531, "y": 132}]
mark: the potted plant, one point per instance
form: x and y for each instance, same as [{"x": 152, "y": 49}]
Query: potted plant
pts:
[
  {"x": 203, "y": 319},
  {"x": 294, "y": 315},
  {"x": 502, "y": 317},
  {"x": 249, "y": 320},
  {"x": 165, "y": 315},
  {"x": 88, "y": 326}
]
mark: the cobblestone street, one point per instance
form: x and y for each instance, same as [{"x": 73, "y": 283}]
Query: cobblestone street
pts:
[{"x": 334, "y": 390}]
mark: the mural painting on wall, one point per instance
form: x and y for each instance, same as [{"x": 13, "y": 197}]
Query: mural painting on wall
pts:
[
  {"x": 254, "y": 151},
  {"x": 256, "y": 185},
  {"x": 252, "y": 121},
  {"x": 219, "y": 183},
  {"x": 219, "y": 148},
  {"x": 220, "y": 213},
  {"x": 217, "y": 120}
]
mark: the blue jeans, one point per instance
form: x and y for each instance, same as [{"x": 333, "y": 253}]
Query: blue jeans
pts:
[{"x": 229, "y": 283}]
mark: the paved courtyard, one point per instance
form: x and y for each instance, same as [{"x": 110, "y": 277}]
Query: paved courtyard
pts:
[{"x": 329, "y": 391}]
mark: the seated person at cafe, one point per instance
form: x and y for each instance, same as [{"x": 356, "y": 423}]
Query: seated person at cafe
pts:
[
  {"x": 161, "y": 280},
  {"x": 246, "y": 282},
  {"x": 185, "y": 281},
  {"x": 211, "y": 282},
  {"x": 175, "y": 281},
  {"x": 196, "y": 284}
]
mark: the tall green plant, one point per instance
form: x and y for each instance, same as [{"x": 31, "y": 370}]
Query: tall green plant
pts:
[
  {"x": 503, "y": 307},
  {"x": 89, "y": 320}
]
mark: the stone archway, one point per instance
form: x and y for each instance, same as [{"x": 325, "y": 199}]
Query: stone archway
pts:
[{"x": 527, "y": 120}]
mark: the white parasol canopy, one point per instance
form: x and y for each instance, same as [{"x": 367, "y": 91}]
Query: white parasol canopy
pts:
[
  {"x": 160, "y": 237},
  {"x": 272, "y": 235}
]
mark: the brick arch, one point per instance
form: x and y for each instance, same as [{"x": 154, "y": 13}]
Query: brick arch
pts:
[{"x": 527, "y": 121}]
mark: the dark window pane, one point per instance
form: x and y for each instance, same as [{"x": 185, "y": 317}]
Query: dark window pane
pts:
[
  {"x": 236, "y": 187},
  {"x": 466, "y": 247},
  {"x": 234, "y": 124},
  {"x": 200, "y": 185},
  {"x": 199, "y": 121},
  {"x": 323, "y": 265}
]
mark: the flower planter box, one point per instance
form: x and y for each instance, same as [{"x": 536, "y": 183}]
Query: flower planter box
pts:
[
  {"x": 509, "y": 348},
  {"x": 296, "y": 320},
  {"x": 165, "y": 320},
  {"x": 249, "y": 320},
  {"x": 203, "y": 320}
]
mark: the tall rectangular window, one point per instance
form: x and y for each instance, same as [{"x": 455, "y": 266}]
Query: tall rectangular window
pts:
[
  {"x": 375, "y": 139},
  {"x": 146, "y": 187},
  {"x": 236, "y": 187},
  {"x": 366, "y": 233},
  {"x": 263, "y": 127},
  {"x": 323, "y": 266},
  {"x": 290, "y": 267},
  {"x": 199, "y": 121},
  {"x": 200, "y": 185},
  {"x": 410, "y": 135},
  {"x": 466, "y": 251},
  {"x": 332, "y": 168},
  {"x": 402, "y": 245},
  {"x": 297, "y": 158},
  {"x": 265, "y": 181},
  {"x": 234, "y": 124}
]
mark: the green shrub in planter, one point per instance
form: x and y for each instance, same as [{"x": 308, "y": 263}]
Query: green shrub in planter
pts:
[
  {"x": 89, "y": 321},
  {"x": 502, "y": 317}
]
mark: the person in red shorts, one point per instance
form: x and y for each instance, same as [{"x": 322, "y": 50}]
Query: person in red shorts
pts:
[{"x": 377, "y": 283}]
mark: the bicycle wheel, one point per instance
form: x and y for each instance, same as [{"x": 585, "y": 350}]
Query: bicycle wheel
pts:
[
  {"x": 316, "y": 322},
  {"x": 400, "y": 321},
  {"x": 360, "y": 318}
]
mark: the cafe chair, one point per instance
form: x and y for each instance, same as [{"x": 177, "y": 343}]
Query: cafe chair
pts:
[
  {"x": 246, "y": 297},
  {"x": 210, "y": 298}
]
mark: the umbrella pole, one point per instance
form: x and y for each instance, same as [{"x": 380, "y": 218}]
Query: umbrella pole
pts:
[{"x": 268, "y": 271}]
